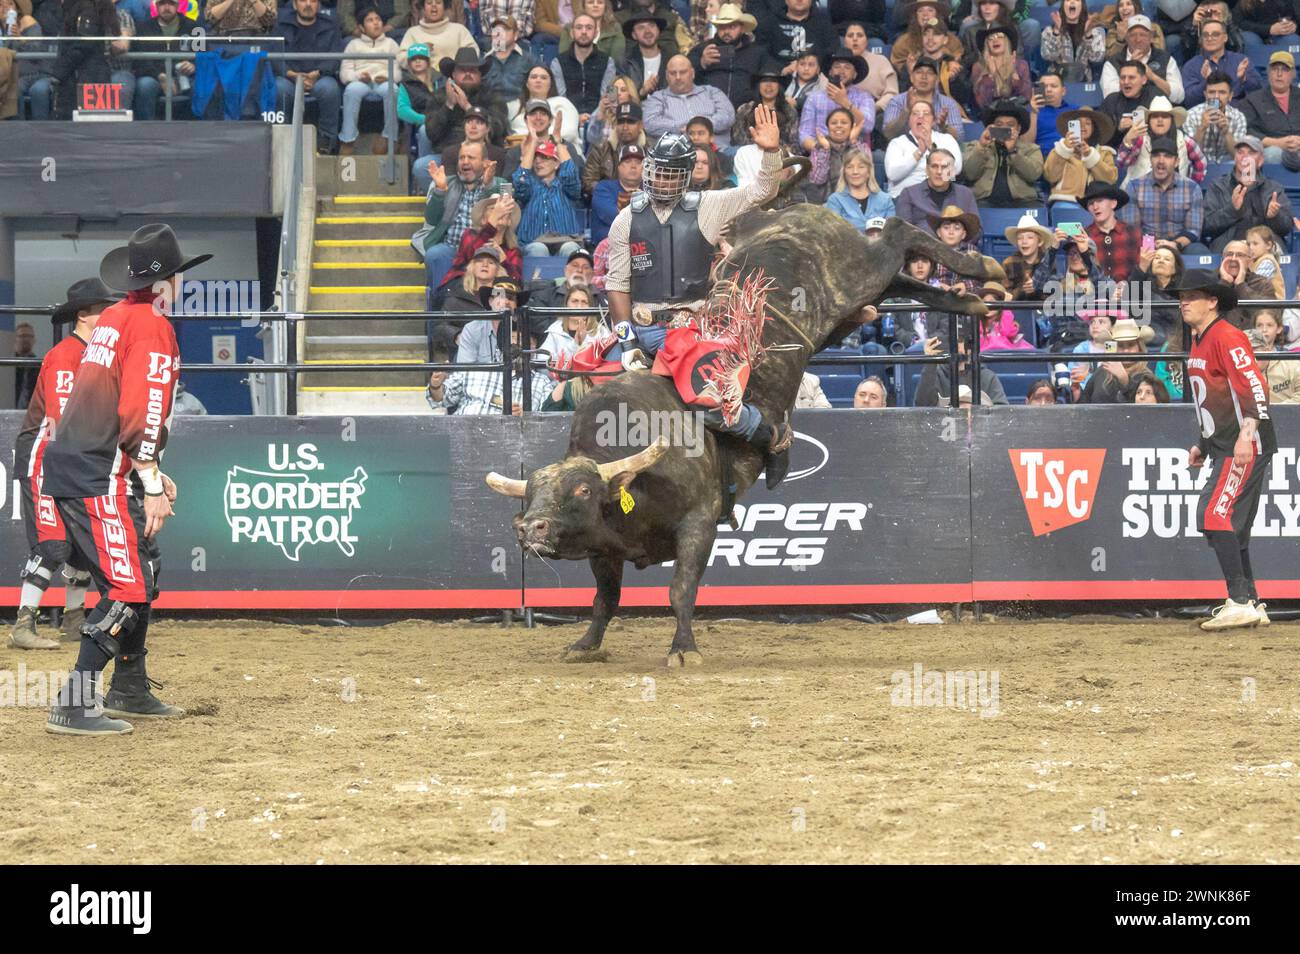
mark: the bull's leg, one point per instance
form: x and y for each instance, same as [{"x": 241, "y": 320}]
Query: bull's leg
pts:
[
  {"x": 898, "y": 235},
  {"x": 902, "y": 286},
  {"x": 694, "y": 544},
  {"x": 609, "y": 587}
]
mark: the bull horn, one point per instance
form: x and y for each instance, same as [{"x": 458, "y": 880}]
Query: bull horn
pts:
[
  {"x": 507, "y": 486},
  {"x": 638, "y": 462}
]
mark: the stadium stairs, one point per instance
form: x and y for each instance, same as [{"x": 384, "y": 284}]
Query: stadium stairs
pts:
[{"x": 362, "y": 260}]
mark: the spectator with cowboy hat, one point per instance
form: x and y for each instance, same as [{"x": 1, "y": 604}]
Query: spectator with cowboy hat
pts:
[
  {"x": 675, "y": 37},
  {"x": 768, "y": 84},
  {"x": 1245, "y": 198},
  {"x": 924, "y": 76},
  {"x": 1112, "y": 382},
  {"x": 844, "y": 71},
  {"x": 1031, "y": 241},
  {"x": 445, "y": 123},
  {"x": 1119, "y": 244},
  {"x": 960, "y": 231},
  {"x": 882, "y": 79},
  {"x": 999, "y": 73},
  {"x": 1162, "y": 119},
  {"x": 1004, "y": 165},
  {"x": 938, "y": 190},
  {"x": 648, "y": 52},
  {"x": 1073, "y": 164},
  {"x": 493, "y": 221},
  {"x": 731, "y": 58}
]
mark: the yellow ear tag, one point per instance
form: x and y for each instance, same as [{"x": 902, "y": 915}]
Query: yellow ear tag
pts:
[{"x": 625, "y": 500}]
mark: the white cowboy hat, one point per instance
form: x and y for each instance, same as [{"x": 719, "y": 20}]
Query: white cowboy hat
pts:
[
  {"x": 731, "y": 13},
  {"x": 1028, "y": 223},
  {"x": 1161, "y": 104}
]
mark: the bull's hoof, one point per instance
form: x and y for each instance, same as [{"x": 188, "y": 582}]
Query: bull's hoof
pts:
[
  {"x": 572, "y": 655},
  {"x": 680, "y": 660}
]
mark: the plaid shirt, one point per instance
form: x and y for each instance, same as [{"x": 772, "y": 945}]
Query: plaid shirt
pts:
[
  {"x": 1171, "y": 212},
  {"x": 479, "y": 392},
  {"x": 1210, "y": 139},
  {"x": 1127, "y": 155},
  {"x": 1118, "y": 250},
  {"x": 944, "y": 275},
  {"x": 521, "y": 10},
  {"x": 461, "y": 222}
]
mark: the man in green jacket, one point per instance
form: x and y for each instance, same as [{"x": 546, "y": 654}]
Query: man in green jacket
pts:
[
  {"x": 1004, "y": 165},
  {"x": 449, "y": 206}
]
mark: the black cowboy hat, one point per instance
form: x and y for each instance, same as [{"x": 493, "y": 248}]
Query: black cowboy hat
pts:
[
  {"x": 1012, "y": 35},
  {"x": 636, "y": 18},
  {"x": 860, "y": 67},
  {"x": 466, "y": 58},
  {"x": 512, "y": 286},
  {"x": 152, "y": 254},
  {"x": 1008, "y": 107},
  {"x": 768, "y": 71},
  {"x": 1200, "y": 279},
  {"x": 82, "y": 295},
  {"x": 1104, "y": 190},
  {"x": 1103, "y": 127}
]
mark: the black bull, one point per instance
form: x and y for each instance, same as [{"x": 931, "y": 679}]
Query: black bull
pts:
[{"x": 825, "y": 272}]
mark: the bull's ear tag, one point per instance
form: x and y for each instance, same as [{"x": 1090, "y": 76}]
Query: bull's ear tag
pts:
[{"x": 625, "y": 500}]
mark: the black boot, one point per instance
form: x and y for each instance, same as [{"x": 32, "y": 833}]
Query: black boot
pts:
[
  {"x": 129, "y": 693},
  {"x": 774, "y": 442}
]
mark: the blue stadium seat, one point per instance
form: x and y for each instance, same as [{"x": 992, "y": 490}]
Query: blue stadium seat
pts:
[
  {"x": 1085, "y": 94},
  {"x": 1068, "y": 212},
  {"x": 838, "y": 386},
  {"x": 1259, "y": 57},
  {"x": 1289, "y": 263},
  {"x": 1290, "y": 181},
  {"x": 972, "y": 130},
  {"x": 995, "y": 222},
  {"x": 539, "y": 268},
  {"x": 1215, "y": 170}
]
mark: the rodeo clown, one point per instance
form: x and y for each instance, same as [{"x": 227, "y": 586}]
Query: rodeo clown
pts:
[
  {"x": 101, "y": 468},
  {"x": 661, "y": 249},
  {"x": 46, "y": 537}
]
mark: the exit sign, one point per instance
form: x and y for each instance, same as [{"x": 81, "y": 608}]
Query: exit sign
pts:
[{"x": 97, "y": 97}]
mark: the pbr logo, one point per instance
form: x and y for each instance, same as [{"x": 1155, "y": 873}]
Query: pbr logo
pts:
[
  {"x": 1057, "y": 486},
  {"x": 289, "y": 505}
]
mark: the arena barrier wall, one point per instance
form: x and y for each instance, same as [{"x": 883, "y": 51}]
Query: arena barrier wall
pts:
[
  {"x": 900, "y": 506},
  {"x": 75, "y": 169}
]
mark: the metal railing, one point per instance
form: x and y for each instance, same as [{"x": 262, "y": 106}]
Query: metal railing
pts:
[
  {"x": 170, "y": 57},
  {"x": 291, "y": 367}
]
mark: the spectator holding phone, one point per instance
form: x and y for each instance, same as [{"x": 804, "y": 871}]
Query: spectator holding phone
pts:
[
  {"x": 1245, "y": 198},
  {"x": 1081, "y": 157},
  {"x": 844, "y": 72},
  {"x": 1268, "y": 21},
  {"x": 1128, "y": 103},
  {"x": 1162, "y": 120},
  {"x": 1067, "y": 276},
  {"x": 1003, "y": 165},
  {"x": 1169, "y": 205},
  {"x": 1045, "y": 105},
  {"x": 1216, "y": 124}
]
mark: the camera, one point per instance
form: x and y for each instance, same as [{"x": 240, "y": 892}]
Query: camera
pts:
[{"x": 1000, "y": 133}]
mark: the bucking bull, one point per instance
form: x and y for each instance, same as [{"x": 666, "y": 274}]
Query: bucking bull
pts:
[{"x": 572, "y": 509}]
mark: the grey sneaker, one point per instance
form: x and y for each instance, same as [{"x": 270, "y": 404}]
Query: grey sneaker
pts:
[
  {"x": 25, "y": 636},
  {"x": 75, "y": 720}
]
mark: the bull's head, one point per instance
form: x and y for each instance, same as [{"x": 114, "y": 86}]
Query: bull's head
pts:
[{"x": 567, "y": 504}]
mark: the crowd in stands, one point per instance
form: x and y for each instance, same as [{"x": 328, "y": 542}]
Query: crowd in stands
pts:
[{"x": 1090, "y": 149}]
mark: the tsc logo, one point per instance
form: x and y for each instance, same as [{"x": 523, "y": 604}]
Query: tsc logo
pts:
[
  {"x": 1057, "y": 486},
  {"x": 63, "y": 382},
  {"x": 160, "y": 368},
  {"x": 1240, "y": 358}
]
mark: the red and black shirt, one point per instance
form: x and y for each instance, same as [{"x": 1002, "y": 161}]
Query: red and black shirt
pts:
[
  {"x": 1228, "y": 387},
  {"x": 121, "y": 403},
  {"x": 53, "y": 387}
]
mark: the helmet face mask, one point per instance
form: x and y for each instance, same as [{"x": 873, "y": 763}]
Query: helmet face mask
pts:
[{"x": 668, "y": 167}]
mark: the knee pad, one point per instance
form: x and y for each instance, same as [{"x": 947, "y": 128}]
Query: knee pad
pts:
[
  {"x": 39, "y": 570},
  {"x": 75, "y": 577},
  {"x": 106, "y": 631}
]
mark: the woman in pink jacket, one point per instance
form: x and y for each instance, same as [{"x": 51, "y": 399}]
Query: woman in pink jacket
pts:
[{"x": 998, "y": 329}]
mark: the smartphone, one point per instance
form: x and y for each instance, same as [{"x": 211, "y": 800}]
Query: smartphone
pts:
[
  {"x": 1000, "y": 133},
  {"x": 1071, "y": 228},
  {"x": 1214, "y": 104},
  {"x": 1038, "y": 90},
  {"x": 1111, "y": 346},
  {"x": 1148, "y": 243},
  {"x": 1075, "y": 128}
]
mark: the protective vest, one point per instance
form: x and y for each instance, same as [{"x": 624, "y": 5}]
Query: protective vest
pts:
[{"x": 670, "y": 260}]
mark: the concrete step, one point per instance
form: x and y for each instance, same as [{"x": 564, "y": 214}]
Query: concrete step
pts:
[
  {"x": 350, "y": 401},
  {"x": 360, "y": 175},
  {"x": 364, "y": 380},
  {"x": 356, "y": 227},
  {"x": 386, "y": 273},
  {"x": 349, "y": 349},
  {"x": 357, "y": 298},
  {"x": 364, "y": 332},
  {"x": 372, "y": 205},
  {"x": 366, "y": 250}
]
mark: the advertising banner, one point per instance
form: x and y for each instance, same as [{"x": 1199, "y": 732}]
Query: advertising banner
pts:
[
  {"x": 876, "y": 509},
  {"x": 368, "y": 512},
  {"x": 1095, "y": 502}
]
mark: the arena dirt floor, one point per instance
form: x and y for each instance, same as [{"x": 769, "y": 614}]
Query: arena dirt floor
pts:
[{"x": 1112, "y": 742}]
